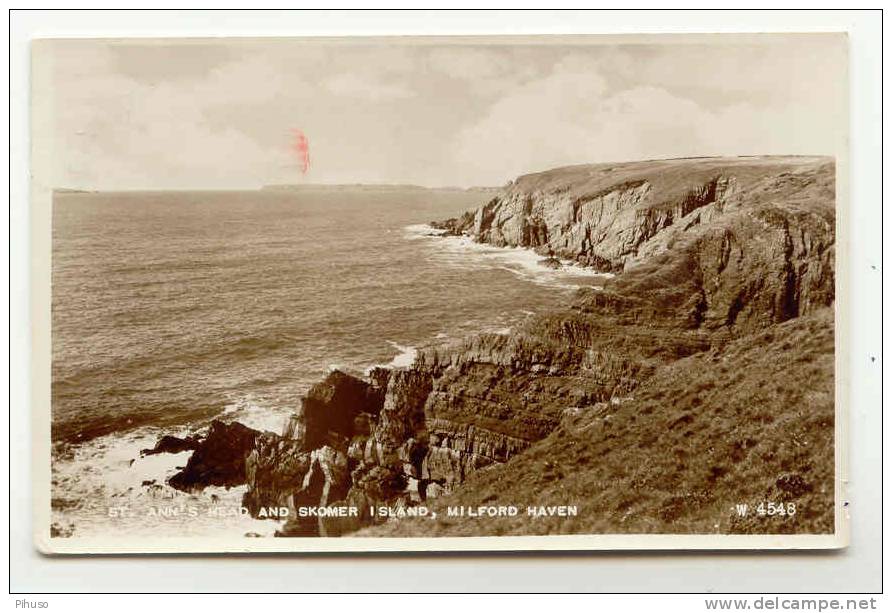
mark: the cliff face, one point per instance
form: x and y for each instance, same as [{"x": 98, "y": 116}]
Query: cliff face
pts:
[
  {"x": 612, "y": 217},
  {"x": 708, "y": 253}
]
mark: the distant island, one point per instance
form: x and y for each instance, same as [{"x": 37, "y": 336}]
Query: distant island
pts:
[
  {"x": 300, "y": 187},
  {"x": 68, "y": 190},
  {"x": 373, "y": 187}
]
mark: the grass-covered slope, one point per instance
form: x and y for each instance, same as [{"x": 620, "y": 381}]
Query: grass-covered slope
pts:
[{"x": 733, "y": 425}]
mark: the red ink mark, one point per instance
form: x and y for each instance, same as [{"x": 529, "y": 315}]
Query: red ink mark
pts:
[{"x": 301, "y": 147}]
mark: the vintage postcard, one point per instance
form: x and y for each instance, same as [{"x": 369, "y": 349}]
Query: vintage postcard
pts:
[{"x": 424, "y": 294}]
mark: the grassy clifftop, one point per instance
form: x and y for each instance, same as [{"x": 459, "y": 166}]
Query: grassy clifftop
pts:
[{"x": 670, "y": 178}]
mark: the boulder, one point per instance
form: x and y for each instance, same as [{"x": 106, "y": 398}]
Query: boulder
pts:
[
  {"x": 173, "y": 444},
  {"x": 219, "y": 459},
  {"x": 551, "y": 262}
]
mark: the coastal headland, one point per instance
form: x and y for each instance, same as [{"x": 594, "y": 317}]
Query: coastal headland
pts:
[{"x": 698, "y": 379}]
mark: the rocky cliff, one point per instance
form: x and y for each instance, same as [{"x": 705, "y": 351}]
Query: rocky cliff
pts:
[
  {"x": 614, "y": 216},
  {"x": 710, "y": 254}
]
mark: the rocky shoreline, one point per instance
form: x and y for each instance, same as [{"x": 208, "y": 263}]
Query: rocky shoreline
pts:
[{"x": 706, "y": 252}]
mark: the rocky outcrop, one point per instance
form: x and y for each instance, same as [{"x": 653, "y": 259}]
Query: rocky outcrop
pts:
[
  {"x": 332, "y": 407},
  {"x": 767, "y": 260},
  {"x": 613, "y": 216},
  {"x": 551, "y": 262},
  {"x": 325, "y": 483},
  {"x": 173, "y": 444},
  {"x": 219, "y": 459},
  {"x": 275, "y": 468},
  {"x": 352, "y": 442}
]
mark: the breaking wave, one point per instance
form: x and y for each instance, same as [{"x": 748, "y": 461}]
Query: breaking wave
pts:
[{"x": 526, "y": 264}]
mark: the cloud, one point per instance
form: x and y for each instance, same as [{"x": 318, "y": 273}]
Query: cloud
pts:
[
  {"x": 363, "y": 87},
  {"x": 778, "y": 70},
  {"x": 486, "y": 71},
  {"x": 468, "y": 62},
  {"x": 120, "y": 132},
  {"x": 433, "y": 114},
  {"x": 166, "y": 61},
  {"x": 574, "y": 115}
]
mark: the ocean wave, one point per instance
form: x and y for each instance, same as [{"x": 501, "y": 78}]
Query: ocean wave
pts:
[
  {"x": 248, "y": 346},
  {"x": 95, "y": 480},
  {"x": 519, "y": 261},
  {"x": 422, "y": 230},
  {"x": 248, "y": 411},
  {"x": 405, "y": 357}
]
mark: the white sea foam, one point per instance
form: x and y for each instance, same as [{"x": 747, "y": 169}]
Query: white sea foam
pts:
[
  {"x": 525, "y": 263},
  {"x": 107, "y": 474},
  {"x": 254, "y": 414},
  {"x": 422, "y": 230},
  {"x": 405, "y": 357}
]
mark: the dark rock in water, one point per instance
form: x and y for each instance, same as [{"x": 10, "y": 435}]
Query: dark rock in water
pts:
[
  {"x": 379, "y": 378},
  {"x": 219, "y": 459},
  {"x": 457, "y": 226},
  {"x": 172, "y": 444},
  {"x": 551, "y": 262}
]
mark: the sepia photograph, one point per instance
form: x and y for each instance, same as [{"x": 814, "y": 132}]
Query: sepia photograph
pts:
[{"x": 441, "y": 293}]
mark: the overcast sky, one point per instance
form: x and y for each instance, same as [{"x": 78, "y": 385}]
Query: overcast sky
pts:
[{"x": 211, "y": 114}]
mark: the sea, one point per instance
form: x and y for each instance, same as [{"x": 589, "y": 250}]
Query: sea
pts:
[{"x": 170, "y": 309}]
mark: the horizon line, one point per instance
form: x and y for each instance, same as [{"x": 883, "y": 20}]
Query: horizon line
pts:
[{"x": 284, "y": 186}]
